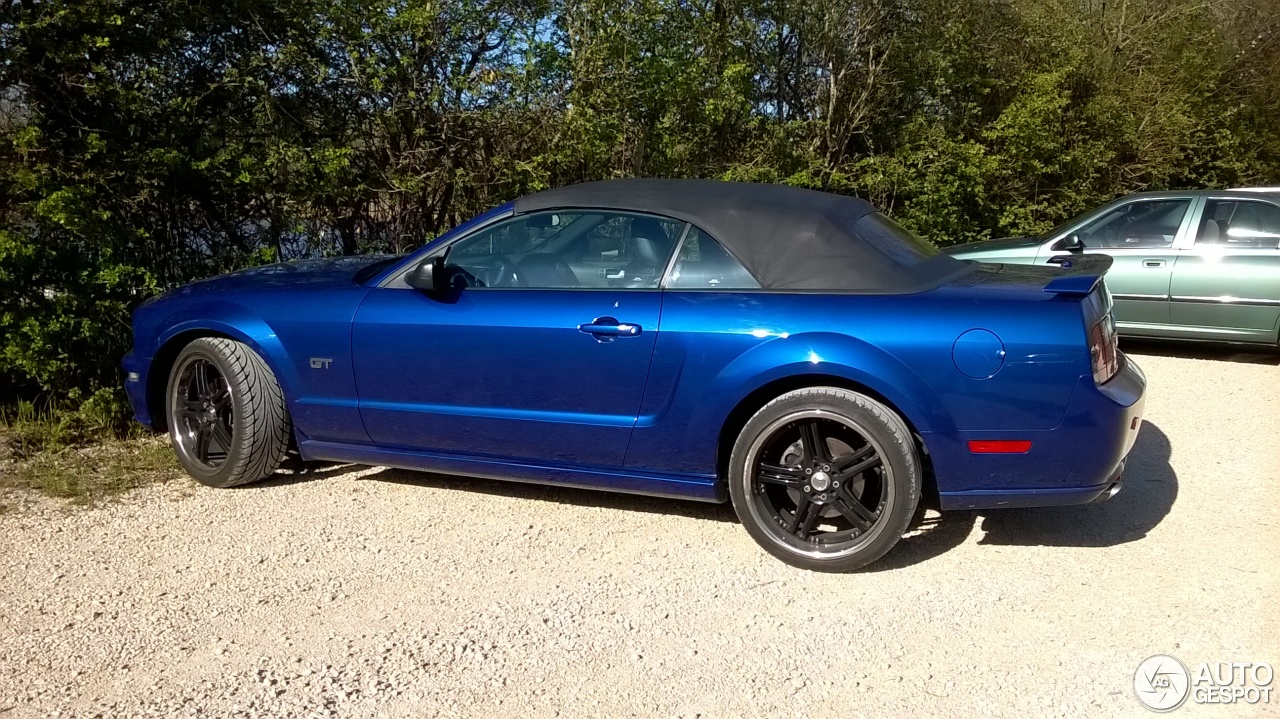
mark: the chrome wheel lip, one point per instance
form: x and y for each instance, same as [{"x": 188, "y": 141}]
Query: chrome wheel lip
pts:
[
  {"x": 181, "y": 431},
  {"x": 750, "y": 470}
]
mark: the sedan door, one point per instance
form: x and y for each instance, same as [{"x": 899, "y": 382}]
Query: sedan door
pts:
[
  {"x": 524, "y": 359},
  {"x": 1142, "y": 237},
  {"x": 1226, "y": 287}
]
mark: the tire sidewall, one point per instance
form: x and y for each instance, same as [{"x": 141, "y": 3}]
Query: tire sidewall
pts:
[{"x": 884, "y": 427}]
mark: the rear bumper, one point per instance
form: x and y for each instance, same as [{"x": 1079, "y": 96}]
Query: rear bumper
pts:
[
  {"x": 1078, "y": 462},
  {"x": 1022, "y": 498}
]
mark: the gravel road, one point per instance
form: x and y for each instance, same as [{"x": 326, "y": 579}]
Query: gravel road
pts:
[{"x": 360, "y": 592}]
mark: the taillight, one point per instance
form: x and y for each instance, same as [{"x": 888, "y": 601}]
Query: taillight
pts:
[{"x": 1104, "y": 349}]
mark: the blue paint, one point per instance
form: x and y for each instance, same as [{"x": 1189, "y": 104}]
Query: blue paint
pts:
[
  {"x": 978, "y": 354},
  {"x": 501, "y": 382}
]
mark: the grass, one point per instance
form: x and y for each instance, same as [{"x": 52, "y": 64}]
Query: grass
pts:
[{"x": 71, "y": 456}]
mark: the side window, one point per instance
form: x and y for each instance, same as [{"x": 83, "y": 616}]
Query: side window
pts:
[
  {"x": 1240, "y": 223},
  {"x": 513, "y": 237},
  {"x": 566, "y": 250},
  {"x": 1144, "y": 224},
  {"x": 704, "y": 265}
]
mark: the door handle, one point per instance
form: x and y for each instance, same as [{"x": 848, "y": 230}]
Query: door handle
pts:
[
  {"x": 1153, "y": 263},
  {"x": 621, "y": 329},
  {"x": 605, "y": 329}
]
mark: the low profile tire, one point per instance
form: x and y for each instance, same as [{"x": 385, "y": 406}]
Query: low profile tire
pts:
[
  {"x": 226, "y": 412},
  {"x": 825, "y": 478}
]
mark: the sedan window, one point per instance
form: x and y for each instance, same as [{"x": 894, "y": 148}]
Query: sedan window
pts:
[
  {"x": 1240, "y": 223},
  {"x": 1140, "y": 225}
]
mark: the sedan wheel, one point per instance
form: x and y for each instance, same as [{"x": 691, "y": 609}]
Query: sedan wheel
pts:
[{"x": 825, "y": 478}]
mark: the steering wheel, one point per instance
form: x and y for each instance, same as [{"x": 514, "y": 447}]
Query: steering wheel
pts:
[
  {"x": 495, "y": 272},
  {"x": 500, "y": 272},
  {"x": 458, "y": 278}
]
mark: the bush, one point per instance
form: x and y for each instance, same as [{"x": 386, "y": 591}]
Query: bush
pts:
[{"x": 144, "y": 145}]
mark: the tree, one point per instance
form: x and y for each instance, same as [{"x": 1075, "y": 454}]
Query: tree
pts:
[{"x": 143, "y": 144}]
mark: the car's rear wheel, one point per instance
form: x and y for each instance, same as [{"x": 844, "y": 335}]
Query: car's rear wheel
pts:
[
  {"x": 226, "y": 413},
  {"x": 825, "y": 478}
]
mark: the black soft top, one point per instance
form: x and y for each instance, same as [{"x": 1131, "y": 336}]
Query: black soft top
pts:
[{"x": 787, "y": 238}]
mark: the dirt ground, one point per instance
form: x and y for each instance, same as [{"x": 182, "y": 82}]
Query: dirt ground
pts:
[{"x": 360, "y": 592}]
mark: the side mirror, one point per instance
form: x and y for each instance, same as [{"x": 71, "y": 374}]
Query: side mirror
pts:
[
  {"x": 427, "y": 276},
  {"x": 1071, "y": 243}
]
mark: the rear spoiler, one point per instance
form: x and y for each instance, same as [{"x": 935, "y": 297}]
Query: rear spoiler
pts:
[{"x": 1082, "y": 273}]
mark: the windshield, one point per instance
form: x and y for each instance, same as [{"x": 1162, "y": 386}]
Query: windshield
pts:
[
  {"x": 369, "y": 271},
  {"x": 1063, "y": 227}
]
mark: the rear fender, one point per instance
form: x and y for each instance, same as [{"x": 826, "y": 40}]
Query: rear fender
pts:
[{"x": 832, "y": 355}]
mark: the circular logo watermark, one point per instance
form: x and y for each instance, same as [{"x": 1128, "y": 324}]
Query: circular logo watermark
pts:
[{"x": 1162, "y": 683}]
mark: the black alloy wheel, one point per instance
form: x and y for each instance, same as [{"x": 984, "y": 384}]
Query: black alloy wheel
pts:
[
  {"x": 205, "y": 423},
  {"x": 825, "y": 478},
  {"x": 820, "y": 480},
  {"x": 227, "y": 416}
]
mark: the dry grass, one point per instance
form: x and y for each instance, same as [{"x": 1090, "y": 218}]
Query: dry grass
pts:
[{"x": 59, "y": 455}]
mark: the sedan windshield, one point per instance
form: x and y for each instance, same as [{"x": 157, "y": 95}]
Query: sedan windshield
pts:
[{"x": 1064, "y": 226}]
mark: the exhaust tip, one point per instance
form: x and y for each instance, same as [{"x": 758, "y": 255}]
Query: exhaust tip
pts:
[{"x": 1108, "y": 493}]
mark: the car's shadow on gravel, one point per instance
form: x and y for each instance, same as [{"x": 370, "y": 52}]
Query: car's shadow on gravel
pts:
[
  {"x": 929, "y": 536},
  {"x": 1202, "y": 351},
  {"x": 1150, "y": 489},
  {"x": 296, "y": 471},
  {"x": 559, "y": 495}
]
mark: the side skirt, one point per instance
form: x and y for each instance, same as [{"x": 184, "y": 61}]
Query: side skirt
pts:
[
  {"x": 699, "y": 488},
  {"x": 1197, "y": 335}
]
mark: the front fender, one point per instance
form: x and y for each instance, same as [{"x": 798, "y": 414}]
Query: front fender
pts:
[{"x": 238, "y": 322}]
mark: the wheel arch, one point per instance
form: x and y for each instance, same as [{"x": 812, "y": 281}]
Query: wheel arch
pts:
[
  {"x": 172, "y": 342},
  {"x": 755, "y": 400},
  {"x": 161, "y": 366}
]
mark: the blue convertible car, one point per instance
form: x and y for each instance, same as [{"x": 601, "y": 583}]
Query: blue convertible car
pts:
[{"x": 794, "y": 351}]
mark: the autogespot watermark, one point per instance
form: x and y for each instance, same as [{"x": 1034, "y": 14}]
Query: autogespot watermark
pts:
[{"x": 1163, "y": 683}]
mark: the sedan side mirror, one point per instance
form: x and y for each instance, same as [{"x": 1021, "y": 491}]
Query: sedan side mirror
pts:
[
  {"x": 428, "y": 276},
  {"x": 1071, "y": 243}
]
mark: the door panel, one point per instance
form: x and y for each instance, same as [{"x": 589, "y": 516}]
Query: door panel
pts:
[
  {"x": 1228, "y": 295},
  {"x": 1139, "y": 284},
  {"x": 1227, "y": 287},
  {"x": 505, "y": 372}
]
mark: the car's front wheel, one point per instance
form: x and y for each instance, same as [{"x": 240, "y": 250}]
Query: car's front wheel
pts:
[
  {"x": 226, "y": 413},
  {"x": 825, "y": 478}
]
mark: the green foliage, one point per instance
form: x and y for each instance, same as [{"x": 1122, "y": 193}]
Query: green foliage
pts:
[
  {"x": 145, "y": 144},
  {"x": 28, "y": 429}
]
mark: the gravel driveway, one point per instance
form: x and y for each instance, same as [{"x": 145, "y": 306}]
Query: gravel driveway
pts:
[{"x": 374, "y": 592}]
